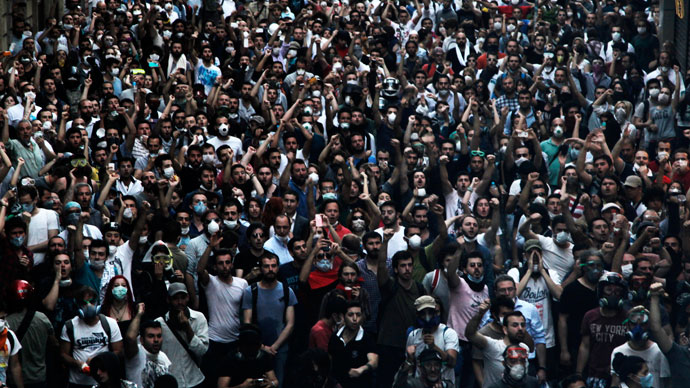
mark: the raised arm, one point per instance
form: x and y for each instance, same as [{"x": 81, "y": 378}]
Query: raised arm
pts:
[
  {"x": 472, "y": 328},
  {"x": 664, "y": 340}
]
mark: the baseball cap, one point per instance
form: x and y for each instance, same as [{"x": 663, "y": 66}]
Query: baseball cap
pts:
[
  {"x": 633, "y": 181},
  {"x": 176, "y": 288},
  {"x": 424, "y": 302},
  {"x": 610, "y": 205},
  {"x": 532, "y": 244}
]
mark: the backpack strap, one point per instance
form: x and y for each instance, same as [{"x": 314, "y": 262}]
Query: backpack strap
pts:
[
  {"x": 255, "y": 297},
  {"x": 437, "y": 277},
  {"x": 286, "y": 300},
  {"x": 106, "y": 326},
  {"x": 24, "y": 325},
  {"x": 69, "y": 328}
]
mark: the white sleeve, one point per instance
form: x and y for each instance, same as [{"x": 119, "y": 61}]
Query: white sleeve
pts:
[{"x": 17, "y": 345}]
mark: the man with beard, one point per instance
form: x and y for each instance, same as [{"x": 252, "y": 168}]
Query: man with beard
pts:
[
  {"x": 466, "y": 295},
  {"x": 603, "y": 330},
  {"x": 144, "y": 361},
  {"x": 145, "y": 163},
  {"x": 263, "y": 303},
  {"x": 396, "y": 310},
  {"x": 514, "y": 329},
  {"x": 368, "y": 268},
  {"x": 190, "y": 172},
  {"x": 467, "y": 241},
  {"x": 294, "y": 177},
  {"x": 176, "y": 61},
  {"x": 506, "y": 286},
  {"x": 389, "y": 217},
  {"x": 537, "y": 287},
  {"x": 205, "y": 71},
  {"x": 185, "y": 337},
  {"x": 224, "y": 297}
]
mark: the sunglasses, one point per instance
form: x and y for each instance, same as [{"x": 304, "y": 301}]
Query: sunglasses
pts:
[
  {"x": 324, "y": 255},
  {"x": 477, "y": 153}
]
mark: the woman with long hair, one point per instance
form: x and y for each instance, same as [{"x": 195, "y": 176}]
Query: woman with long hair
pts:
[{"x": 119, "y": 302}]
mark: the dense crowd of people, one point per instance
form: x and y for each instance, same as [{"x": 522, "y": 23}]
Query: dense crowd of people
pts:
[{"x": 340, "y": 194}]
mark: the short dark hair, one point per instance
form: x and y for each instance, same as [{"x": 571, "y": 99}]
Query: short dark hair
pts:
[
  {"x": 513, "y": 313},
  {"x": 498, "y": 302},
  {"x": 503, "y": 278},
  {"x": 149, "y": 324},
  {"x": 400, "y": 256},
  {"x": 369, "y": 235}
]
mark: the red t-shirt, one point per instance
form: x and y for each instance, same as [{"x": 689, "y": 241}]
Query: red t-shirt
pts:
[{"x": 319, "y": 335}]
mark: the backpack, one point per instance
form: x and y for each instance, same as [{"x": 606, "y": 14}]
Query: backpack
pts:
[
  {"x": 255, "y": 297},
  {"x": 69, "y": 325}
]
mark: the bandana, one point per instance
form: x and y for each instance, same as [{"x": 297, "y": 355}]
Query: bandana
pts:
[{"x": 318, "y": 279}]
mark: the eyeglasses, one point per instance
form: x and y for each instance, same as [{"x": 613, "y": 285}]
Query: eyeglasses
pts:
[{"x": 477, "y": 153}]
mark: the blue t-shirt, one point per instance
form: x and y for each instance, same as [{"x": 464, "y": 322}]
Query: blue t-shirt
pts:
[{"x": 270, "y": 314}]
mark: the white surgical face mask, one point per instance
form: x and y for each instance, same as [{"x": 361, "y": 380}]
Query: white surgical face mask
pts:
[
  {"x": 415, "y": 242},
  {"x": 510, "y": 27},
  {"x": 616, "y": 36},
  {"x": 168, "y": 172},
  {"x": 391, "y": 117},
  {"x": 627, "y": 270},
  {"x": 497, "y": 26},
  {"x": 654, "y": 92}
]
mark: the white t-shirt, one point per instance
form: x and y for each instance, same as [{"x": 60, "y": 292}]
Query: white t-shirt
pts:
[
  {"x": 224, "y": 305},
  {"x": 88, "y": 342},
  {"x": 234, "y": 143},
  {"x": 656, "y": 361},
  {"x": 144, "y": 368},
  {"x": 559, "y": 259},
  {"x": 537, "y": 293},
  {"x": 444, "y": 337},
  {"x": 396, "y": 243},
  {"x": 39, "y": 226},
  {"x": 11, "y": 351},
  {"x": 492, "y": 355}
]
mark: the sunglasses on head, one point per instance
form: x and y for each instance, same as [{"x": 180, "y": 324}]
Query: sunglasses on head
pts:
[{"x": 477, "y": 153}]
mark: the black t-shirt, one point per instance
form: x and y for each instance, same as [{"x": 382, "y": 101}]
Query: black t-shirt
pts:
[
  {"x": 352, "y": 355},
  {"x": 245, "y": 261},
  {"x": 576, "y": 300},
  {"x": 239, "y": 368}
]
